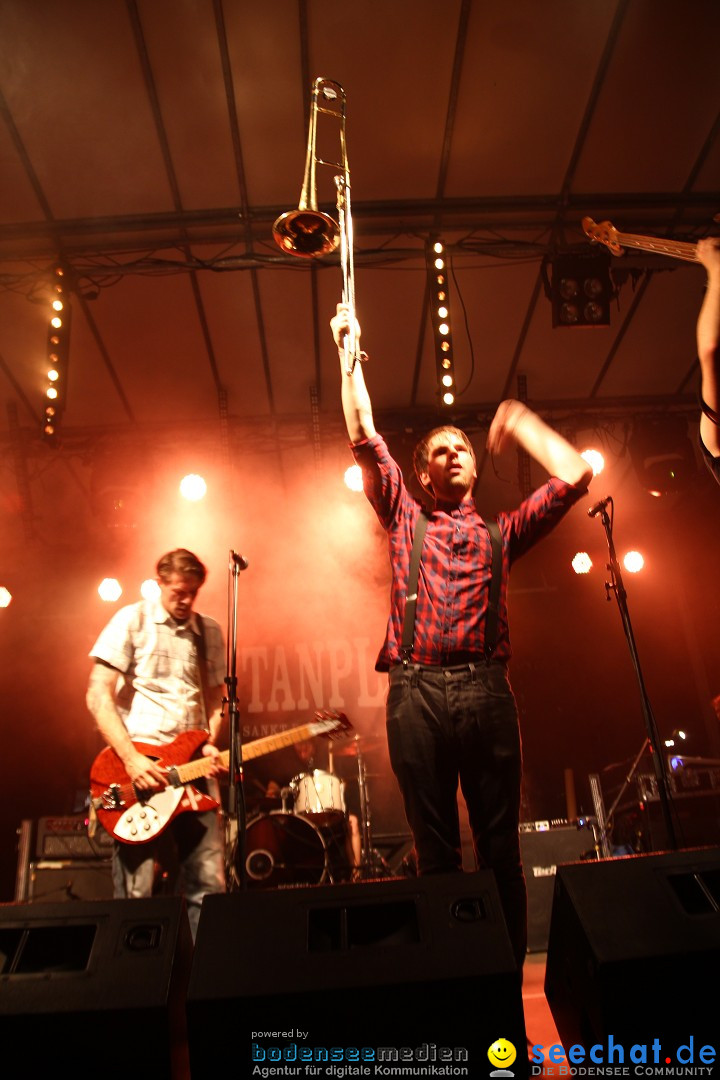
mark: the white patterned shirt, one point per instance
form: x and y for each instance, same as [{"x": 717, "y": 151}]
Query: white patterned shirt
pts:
[{"x": 159, "y": 689}]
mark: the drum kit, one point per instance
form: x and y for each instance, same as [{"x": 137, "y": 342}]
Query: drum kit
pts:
[{"x": 309, "y": 840}]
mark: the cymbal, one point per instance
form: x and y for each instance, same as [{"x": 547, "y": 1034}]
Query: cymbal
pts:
[{"x": 364, "y": 743}]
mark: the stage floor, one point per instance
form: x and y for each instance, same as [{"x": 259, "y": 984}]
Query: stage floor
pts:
[{"x": 539, "y": 1024}]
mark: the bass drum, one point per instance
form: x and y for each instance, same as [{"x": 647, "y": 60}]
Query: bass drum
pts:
[{"x": 284, "y": 850}]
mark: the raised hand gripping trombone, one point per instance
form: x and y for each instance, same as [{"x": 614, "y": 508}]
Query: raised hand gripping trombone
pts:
[{"x": 309, "y": 233}]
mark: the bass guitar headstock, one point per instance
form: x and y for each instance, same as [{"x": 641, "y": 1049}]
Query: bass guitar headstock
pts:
[{"x": 604, "y": 233}]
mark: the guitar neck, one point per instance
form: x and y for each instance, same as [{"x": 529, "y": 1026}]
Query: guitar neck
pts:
[
  {"x": 194, "y": 770},
  {"x": 678, "y": 249}
]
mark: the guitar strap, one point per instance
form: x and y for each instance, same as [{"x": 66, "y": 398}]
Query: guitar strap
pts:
[{"x": 202, "y": 664}]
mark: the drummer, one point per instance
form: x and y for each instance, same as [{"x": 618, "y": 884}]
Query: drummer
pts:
[{"x": 269, "y": 786}]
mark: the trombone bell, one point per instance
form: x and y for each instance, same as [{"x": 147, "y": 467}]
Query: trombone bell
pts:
[{"x": 307, "y": 233}]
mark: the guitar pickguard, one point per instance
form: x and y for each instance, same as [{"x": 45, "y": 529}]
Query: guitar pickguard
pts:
[{"x": 143, "y": 821}]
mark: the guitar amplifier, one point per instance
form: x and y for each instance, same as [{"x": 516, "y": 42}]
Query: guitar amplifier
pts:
[
  {"x": 51, "y": 881},
  {"x": 544, "y": 846},
  {"x": 67, "y": 838},
  {"x": 57, "y": 861}
]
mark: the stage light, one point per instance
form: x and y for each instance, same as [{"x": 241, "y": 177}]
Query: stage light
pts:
[
  {"x": 5, "y": 597},
  {"x": 580, "y": 291},
  {"x": 440, "y": 319},
  {"x": 633, "y": 562},
  {"x": 109, "y": 590},
  {"x": 354, "y": 478},
  {"x": 193, "y": 487},
  {"x": 150, "y": 590},
  {"x": 594, "y": 459},
  {"x": 582, "y": 563},
  {"x": 677, "y": 736},
  {"x": 58, "y": 345}
]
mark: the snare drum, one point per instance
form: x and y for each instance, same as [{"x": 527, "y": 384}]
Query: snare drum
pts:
[
  {"x": 320, "y": 795},
  {"x": 282, "y": 850}
]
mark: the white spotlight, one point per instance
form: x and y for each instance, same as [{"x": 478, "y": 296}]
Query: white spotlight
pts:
[
  {"x": 633, "y": 562},
  {"x": 193, "y": 487},
  {"x": 594, "y": 459},
  {"x": 354, "y": 478},
  {"x": 582, "y": 563},
  {"x": 150, "y": 590},
  {"x": 109, "y": 589}
]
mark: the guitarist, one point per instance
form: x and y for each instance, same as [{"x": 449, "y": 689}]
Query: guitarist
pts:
[{"x": 159, "y": 670}]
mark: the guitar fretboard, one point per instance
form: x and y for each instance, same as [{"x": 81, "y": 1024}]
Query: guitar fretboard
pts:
[
  {"x": 193, "y": 770},
  {"x": 678, "y": 249}
]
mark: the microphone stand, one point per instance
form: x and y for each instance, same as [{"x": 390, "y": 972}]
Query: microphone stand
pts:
[
  {"x": 236, "y": 796},
  {"x": 615, "y": 585}
]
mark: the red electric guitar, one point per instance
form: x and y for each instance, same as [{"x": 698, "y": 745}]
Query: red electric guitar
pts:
[{"x": 133, "y": 818}]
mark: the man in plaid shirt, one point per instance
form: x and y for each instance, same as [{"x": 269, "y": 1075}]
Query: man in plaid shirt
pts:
[{"x": 450, "y": 711}]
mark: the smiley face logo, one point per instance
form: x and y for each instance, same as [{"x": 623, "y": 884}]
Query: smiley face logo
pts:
[{"x": 502, "y": 1053}]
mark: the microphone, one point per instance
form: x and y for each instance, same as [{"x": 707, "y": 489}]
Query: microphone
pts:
[
  {"x": 595, "y": 510},
  {"x": 239, "y": 560}
]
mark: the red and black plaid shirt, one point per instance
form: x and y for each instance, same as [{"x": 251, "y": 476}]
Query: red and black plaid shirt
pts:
[{"x": 456, "y": 564}]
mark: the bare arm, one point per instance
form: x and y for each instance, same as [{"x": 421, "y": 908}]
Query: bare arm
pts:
[
  {"x": 708, "y": 342},
  {"x": 355, "y": 398},
  {"x": 143, "y": 772},
  {"x": 514, "y": 420}
]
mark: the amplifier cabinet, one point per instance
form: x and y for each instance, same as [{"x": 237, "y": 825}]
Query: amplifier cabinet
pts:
[
  {"x": 542, "y": 852},
  {"x": 695, "y": 816},
  {"x": 51, "y": 881}
]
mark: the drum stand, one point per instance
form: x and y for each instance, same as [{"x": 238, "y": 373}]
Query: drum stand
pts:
[{"x": 372, "y": 864}]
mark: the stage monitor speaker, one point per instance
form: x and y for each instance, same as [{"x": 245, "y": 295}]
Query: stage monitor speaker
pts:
[
  {"x": 634, "y": 949},
  {"x": 405, "y": 970},
  {"x": 98, "y": 985},
  {"x": 543, "y": 850}
]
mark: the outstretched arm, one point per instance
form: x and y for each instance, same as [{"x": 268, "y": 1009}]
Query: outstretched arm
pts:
[
  {"x": 355, "y": 398},
  {"x": 708, "y": 342},
  {"x": 515, "y": 421}
]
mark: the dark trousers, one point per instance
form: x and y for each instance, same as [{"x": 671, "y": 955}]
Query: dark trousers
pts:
[{"x": 452, "y": 723}]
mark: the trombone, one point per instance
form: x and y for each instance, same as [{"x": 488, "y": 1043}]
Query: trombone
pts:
[{"x": 309, "y": 233}]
